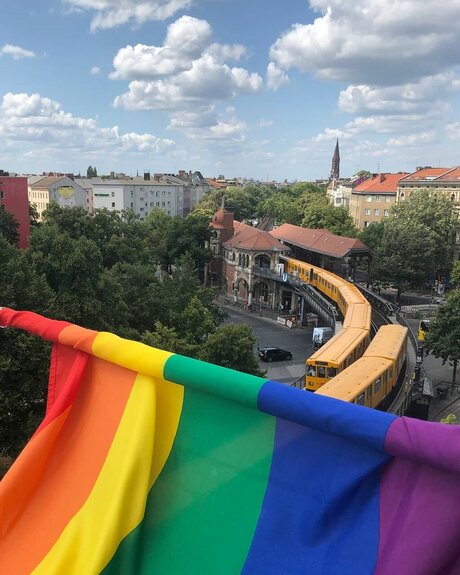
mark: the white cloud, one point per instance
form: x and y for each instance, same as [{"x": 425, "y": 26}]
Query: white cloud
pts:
[
  {"x": 412, "y": 139},
  {"x": 112, "y": 13},
  {"x": 275, "y": 76},
  {"x": 263, "y": 123},
  {"x": 453, "y": 130},
  {"x": 33, "y": 122},
  {"x": 95, "y": 70},
  {"x": 377, "y": 42},
  {"x": 186, "y": 77},
  {"x": 16, "y": 52},
  {"x": 429, "y": 92}
]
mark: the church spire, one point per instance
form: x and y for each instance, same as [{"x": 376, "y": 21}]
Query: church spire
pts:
[{"x": 335, "y": 168}]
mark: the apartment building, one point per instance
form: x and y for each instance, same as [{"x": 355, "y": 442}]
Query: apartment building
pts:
[
  {"x": 60, "y": 189},
  {"x": 444, "y": 181},
  {"x": 371, "y": 200},
  {"x": 13, "y": 197},
  {"x": 176, "y": 195}
]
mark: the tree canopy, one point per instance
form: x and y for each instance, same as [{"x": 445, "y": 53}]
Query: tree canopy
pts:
[
  {"x": 9, "y": 226},
  {"x": 443, "y": 337},
  {"x": 415, "y": 242}
]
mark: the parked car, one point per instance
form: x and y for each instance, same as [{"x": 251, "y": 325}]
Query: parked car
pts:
[{"x": 274, "y": 354}]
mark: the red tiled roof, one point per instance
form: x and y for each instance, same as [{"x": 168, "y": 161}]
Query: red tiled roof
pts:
[
  {"x": 248, "y": 238},
  {"x": 425, "y": 173},
  {"x": 319, "y": 241},
  {"x": 215, "y": 184},
  {"x": 380, "y": 184},
  {"x": 453, "y": 174}
]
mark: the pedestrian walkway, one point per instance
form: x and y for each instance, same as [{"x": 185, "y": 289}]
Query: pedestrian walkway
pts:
[{"x": 445, "y": 400}]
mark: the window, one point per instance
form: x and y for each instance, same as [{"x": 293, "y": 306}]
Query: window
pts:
[
  {"x": 366, "y": 224},
  {"x": 132, "y": 205},
  {"x": 367, "y": 212},
  {"x": 331, "y": 372},
  {"x": 377, "y": 199},
  {"x": 368, "y": 198},
  {"x": 377, "y": 385},
  {"x": 162, "y": 204},
  {"x": 360, "y": 399},
  {"x": 388, "y": 199},
  {"x": 321, "y": 371},
  {"x": 376, "y": 212},
  {"x": 386, "y": 212},
  {"x": 2, "y": 195},
  {"x": 113, "y": 204},
  {"x": 113, "y": 194}
]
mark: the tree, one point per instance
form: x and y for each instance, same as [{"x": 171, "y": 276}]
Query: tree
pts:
[
  {"x": 455, "y": 276},
  {"x": 91, "y": 172},
  {"x": 9, "y": 226},
  {"x": 372, "y": 236},
  {"x": 442, "y": 340},
  {"x": 33, "y": 216},
  {"x": 323, "y": 215},
  {"x": 232, "y": 346},
  {"x": 450, "y": 419},
  {"x": 405, "y": 256},
  {"x": 437, "y": 215}
]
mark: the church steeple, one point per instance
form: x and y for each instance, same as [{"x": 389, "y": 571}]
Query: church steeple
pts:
[{"x": 335, "y": 168}]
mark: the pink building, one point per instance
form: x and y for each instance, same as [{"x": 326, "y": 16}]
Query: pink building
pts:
[{"x": 13, "y": 195}]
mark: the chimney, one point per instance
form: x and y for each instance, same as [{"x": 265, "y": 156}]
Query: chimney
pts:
[
  {"x": 382, "y": 178},
  {"x": 182, "y": 173},
  {"x": 146, "y": 176}
]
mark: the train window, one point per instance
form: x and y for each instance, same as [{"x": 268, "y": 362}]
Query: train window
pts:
[
  {"x": 377, "y": 385},
  {"x": 311, "y": 371},
  {"x": 331, "y": 372},
  {"x": 360, "y": 399},
  {"x": 390, "y": 372},
  {"x": 321, "y": 371}
]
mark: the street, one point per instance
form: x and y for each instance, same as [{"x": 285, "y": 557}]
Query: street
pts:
[{"x": 269, "y": 333}]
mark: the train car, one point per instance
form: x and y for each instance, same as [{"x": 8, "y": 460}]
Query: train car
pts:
[
  {"x": 337, "y": 354},
  {"x": 358, "y": 315},
  {"x": 369, "y": 380},
  {"x": 349, "y": 294}
]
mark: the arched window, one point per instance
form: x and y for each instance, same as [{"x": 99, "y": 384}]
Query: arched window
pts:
[{"x": 239, "y": 259}]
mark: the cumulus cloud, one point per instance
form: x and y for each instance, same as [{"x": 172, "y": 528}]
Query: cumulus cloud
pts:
[
  {"x": 16, "y": 52},
  {"x": 34, "y": 121},
  {"x": 112, "y": 13},
  {"x": 275, "y": 76},
  {"x": 376, "y": 42},
  {"x": 188, "y": 77},
  {"x": 407, "y": 98},
  {"x": 412, "y": 139}
]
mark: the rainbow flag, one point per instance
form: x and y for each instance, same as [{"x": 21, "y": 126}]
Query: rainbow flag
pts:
[{"x": 153, "y": 463}]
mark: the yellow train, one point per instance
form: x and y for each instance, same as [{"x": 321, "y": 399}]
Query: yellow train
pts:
[
  {"x": 351, "y": 342},
  {"x": 369, "y": 380}
]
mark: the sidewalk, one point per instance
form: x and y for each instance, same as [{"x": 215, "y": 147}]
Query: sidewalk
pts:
[{"x": 440, "y": 376}]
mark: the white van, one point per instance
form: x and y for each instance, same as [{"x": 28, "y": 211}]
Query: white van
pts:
[{"x": 321, "y": 335}]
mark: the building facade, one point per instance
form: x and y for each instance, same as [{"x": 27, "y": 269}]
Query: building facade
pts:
[
  {"x": 13, "y": 197},
  {"x": 443, "y": 181},
  {"x": 371, "y": 200},
  {"x": 60, "y": 189}
]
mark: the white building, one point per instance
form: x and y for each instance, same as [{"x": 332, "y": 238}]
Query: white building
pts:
[
  {"x": 175, "y": 195},
  {"x": 138, "y": 194}
]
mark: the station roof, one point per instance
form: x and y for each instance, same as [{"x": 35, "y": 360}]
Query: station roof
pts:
[
  {"x": 249, "y": 238},
  {"x": 319, "y": 241}
]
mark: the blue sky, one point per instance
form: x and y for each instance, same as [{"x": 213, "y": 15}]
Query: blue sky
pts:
[{"x": 246, "y": 88}]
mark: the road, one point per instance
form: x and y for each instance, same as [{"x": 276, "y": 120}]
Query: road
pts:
[{"x": 269, "y": 333}]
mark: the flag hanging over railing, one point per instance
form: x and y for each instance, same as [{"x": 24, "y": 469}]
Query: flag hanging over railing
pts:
[{"x": 150, "y": 462}]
